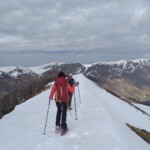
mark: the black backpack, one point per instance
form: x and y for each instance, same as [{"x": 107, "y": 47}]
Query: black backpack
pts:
[{"x": 70, "y": 81}]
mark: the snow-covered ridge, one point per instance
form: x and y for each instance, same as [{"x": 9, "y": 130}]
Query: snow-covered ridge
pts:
[
  {"x": 106, "y": 114},
  {"x": 15, "y": 71},
  {"x": 144, "y": 62},
  {"x": 43, "y": 68},
  {"x": 123, "y": 64}
]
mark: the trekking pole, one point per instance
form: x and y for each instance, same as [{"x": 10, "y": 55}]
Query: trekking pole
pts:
[
  {"x": 75, "y": 107},
  {"x": 79, "y": 94},
  {"x": 46, "y": 117}
]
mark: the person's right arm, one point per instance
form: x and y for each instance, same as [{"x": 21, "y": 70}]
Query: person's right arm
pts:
[{"x": 52, "y": 92}]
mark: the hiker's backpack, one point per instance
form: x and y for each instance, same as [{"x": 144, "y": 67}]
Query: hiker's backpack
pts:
[
  {"x": 71, "y": 81},
  {"x": 61, "y": 89}
]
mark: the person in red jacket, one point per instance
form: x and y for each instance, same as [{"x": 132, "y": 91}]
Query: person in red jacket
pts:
[{"x": 61, "y": 89}]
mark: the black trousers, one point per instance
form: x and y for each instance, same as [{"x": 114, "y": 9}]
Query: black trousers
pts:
[
  {"x": 61, "y": 115},
  {"x": 70, "y": 98}
]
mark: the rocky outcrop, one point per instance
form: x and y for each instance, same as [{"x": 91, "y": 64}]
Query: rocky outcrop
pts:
[{"x": 145, "y": 135}]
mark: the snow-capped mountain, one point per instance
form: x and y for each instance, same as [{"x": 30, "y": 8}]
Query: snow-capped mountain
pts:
[
  {"x": 129, "y": 79},
  {"x": 20, "y": 83},
  {"x": 101, "y": 123},
  {"x": 16, "y": 71},
  {"x": 122, "y": 65}
]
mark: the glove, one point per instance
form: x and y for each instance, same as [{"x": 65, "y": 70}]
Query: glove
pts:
[{"x": 50, "y": 98}]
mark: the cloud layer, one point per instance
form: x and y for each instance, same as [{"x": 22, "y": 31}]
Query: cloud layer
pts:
[{"x": 43, "y": 26}]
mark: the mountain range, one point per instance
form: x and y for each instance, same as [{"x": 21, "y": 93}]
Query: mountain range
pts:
[{"x": 127, "y": 79}]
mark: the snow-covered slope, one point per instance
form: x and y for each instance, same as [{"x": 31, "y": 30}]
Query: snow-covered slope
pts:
[
  {"x": 41, "y": 69},
  {"x": 100, "y": 125},
  {"x": 14, "y": 71},
  {"x": 143, "y": 107},
  {"x": 120, "y": 66},
  {"x": 142, "y": 62}
]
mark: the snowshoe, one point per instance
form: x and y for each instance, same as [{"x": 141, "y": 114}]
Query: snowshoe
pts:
[
  {"x": 64, "y": 131},
  {"x": 58, "y": 130}
]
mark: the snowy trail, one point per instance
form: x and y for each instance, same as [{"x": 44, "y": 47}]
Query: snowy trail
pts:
[{"x": 100, "y": 125}]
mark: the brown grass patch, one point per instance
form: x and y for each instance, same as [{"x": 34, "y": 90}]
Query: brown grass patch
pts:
[{"x": 145, "y": 135}]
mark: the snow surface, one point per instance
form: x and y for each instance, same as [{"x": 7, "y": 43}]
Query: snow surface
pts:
[
  {"x": 143, "y": 107},
  {"x": 13, "y": 70},
  {"x": 100, "y": 125},
  {"x": 144, "y": 62},
  {"x": 41, "y": 69},
  {"x": 87, "y": 66}
]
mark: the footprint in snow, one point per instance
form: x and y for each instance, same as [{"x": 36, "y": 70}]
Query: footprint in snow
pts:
[{"x": 72, "y": 135}]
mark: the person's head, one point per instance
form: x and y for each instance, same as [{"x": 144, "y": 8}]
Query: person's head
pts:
[{"x": 61, "y": 74}]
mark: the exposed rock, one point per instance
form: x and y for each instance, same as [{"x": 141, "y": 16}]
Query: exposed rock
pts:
[
  {"x": 146, "y": 103},
  {"x": 145, "y": 135}
]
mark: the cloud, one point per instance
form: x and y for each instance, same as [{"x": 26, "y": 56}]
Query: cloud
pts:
[{"x": 46, "y": 26}]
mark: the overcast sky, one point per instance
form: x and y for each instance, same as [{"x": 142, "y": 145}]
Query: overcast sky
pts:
[{"x": 36, "y": 32}]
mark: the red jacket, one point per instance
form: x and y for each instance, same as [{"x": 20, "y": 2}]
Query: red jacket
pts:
[{"x": 53, "y": 90}]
